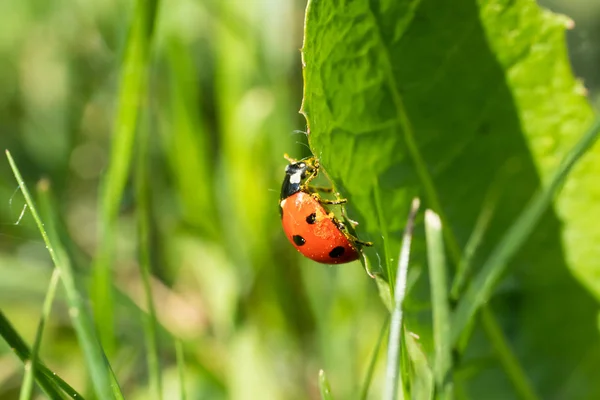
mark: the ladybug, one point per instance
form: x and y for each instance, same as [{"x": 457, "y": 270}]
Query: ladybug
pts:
[{"x": 310, "y": 227}]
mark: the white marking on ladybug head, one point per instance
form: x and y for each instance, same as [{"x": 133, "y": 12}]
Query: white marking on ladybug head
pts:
[
  {"x": 282, "y": 203},
  {"x": 296, "y": 177}
]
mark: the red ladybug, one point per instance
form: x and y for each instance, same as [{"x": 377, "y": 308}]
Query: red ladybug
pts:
[{"x": 312, "y": 229}]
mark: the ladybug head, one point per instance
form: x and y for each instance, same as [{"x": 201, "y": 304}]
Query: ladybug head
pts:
[
  {"x": 296, "y": 171},
  {"x": 294, "y": 174}
]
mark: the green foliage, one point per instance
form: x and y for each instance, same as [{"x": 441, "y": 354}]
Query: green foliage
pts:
[
  {"x": 449, "y": 102},
  {"x": 133, "y": 81},
  {"x": 208, "y": 109},
  {"x": 161, "y": 131}
]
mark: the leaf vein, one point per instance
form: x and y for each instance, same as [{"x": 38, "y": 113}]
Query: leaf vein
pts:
[{"x": 409, "y": 138}]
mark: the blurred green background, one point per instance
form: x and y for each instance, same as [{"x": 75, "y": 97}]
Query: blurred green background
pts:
[{"x": 256, "y": 319}]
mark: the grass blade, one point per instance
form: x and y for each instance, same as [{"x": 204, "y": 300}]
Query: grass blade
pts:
[
  {"x": 143, "y": 220},
  {"x": 188, "y": 143},
  {"x": 132, "y": 88},
  {"x": 421, "y": 384},
  {"x": 114, "y": 385},
  {"x": 81, "y": 318},
  {"x": 463, "y": 271},
  {"x": 30, "y": 367},
  {"x": 369, "y": 376},
  {"x": 439, "y": 299},
  {"x": 180, "y": 368},
  {"x": 505, "y": 355},
  {"x": 324, "y": 386},
  {"x": 392, "y": 375},
  {"x": 50, "y": 383},
  {"x": 484, "y": 283}
]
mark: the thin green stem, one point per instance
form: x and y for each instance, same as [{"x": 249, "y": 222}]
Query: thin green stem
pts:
[
  {"x": 31, "y": 365},
  {"x": 50, "y": 383},
  {"x": 143, "y": 219},
  {"x": 393, "y": 380},
  {"x": 504, "y": 353},
  {"x": 465, "y": 265},
  {"x": 371, "y": 369},
  {"x": 180, "y": 368}
]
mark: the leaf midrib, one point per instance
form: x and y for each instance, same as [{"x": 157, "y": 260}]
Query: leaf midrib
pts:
[{"x": 409, "y": 138}]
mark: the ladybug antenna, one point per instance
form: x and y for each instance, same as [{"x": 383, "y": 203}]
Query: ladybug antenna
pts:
[
  {"x": 289, "y": 159},
  {"x": 303, "y": 144}
]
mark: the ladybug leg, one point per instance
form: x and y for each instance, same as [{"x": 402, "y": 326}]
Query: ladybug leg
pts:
[
  {"x": 356, "y": 240},
  {"x": 361, "y": 242},
  {"x": 327, "y": 201},
  {"x": 313, "y": 174},
  {"x": 342, "y": 227},
  {"x": 314, "y": 171},
  {"x": 333, "y": 202},
  {"x": 320, "y": 189}
]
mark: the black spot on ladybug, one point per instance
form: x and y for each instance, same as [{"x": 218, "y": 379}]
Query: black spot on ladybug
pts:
[
  {"x": 336, "y": 252},
  {"x": 311, "y": 219},
  {"x": 299, "y": 240}
]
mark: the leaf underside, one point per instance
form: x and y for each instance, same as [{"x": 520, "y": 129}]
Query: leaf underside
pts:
[{"x": 447, "y": 101}]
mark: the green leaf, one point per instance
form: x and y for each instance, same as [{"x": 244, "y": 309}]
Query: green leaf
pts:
[
  {"x": 443, "y": 101},
  {"x": 492, "y": 269}
]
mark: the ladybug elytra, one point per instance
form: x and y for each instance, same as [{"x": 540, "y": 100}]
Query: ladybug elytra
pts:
[{"x": 310, "y": 227}]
